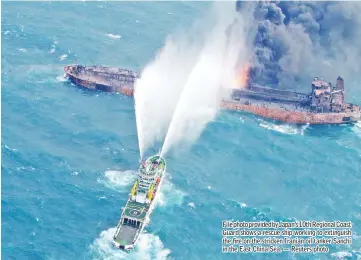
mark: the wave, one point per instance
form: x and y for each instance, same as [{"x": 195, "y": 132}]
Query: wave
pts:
[
  {"x": 357, "y": 128},
  {"x": 61, "y": 78},
  {"x": 118, "y": 180},
  {"x": 191, "y": 205},
  {"x": 52, "y": 50},
  {"x": 10, "y": 149},
  {"x": 342, "y": 255},
  {"x": 63, "y": 57},
  {"x": 113, "y": 36},
  {"x": 170, "y": 195},
  {"x": 284, "y": 128},
  {"x": 149, "y": 247}
]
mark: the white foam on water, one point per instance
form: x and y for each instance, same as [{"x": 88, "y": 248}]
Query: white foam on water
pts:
[
  {"x": 242, "y": 205},
  {"x": 118, "y": 180},
  {"x": 63, "y": 57},
  {"x": 113, "y": 36},
  {"x": 149, "y": 247},
  {"x": 61, "y": 78},
  {"x": 357, "y": 129},
  {"x": 52, "y": 50},
  {"x": 191, "y": 205},
  {"x": 22, "y": 50},
  {"x": 284, "y": 128},
  {"x": 170, "y": 195},
  {"x": 10, "y": 149},
  {"x": 341, "y": 255}
]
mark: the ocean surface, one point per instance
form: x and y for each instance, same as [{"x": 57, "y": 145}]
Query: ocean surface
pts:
[{"x": 69, "y": 155}]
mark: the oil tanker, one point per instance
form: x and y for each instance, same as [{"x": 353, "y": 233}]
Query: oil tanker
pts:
[{"x": 324, "y": 105}]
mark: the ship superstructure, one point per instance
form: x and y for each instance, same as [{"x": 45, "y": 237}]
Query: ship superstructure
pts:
[
  {"x": 324, "y": 105},
  {"x": 140, "y": 204}
]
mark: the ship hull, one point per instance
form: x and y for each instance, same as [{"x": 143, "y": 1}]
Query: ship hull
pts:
[
  {"x": 278, "y": 114},
  {"x": 294, "y": 117},
  {"x": 128, "y": 91}
]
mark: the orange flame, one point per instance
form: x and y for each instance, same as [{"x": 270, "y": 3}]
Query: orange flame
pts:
[{"x": 243, "y": 76}]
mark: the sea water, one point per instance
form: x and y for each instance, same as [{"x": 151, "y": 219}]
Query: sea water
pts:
[{"x": 69, "y": 155}]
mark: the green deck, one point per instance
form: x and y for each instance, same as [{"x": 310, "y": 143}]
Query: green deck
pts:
[{"x": 136, "y": 210}]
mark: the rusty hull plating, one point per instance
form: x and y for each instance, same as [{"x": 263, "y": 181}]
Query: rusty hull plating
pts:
[
  {"x": 102, "y": 78},
  {"x": 325, "y": 104}
]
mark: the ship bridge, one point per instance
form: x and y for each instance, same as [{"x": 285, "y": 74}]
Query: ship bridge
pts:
[{"x": 147, "y": 176}]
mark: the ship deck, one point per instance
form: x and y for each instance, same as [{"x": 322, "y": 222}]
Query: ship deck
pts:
[
  {"x": 136, "y": 210},
  {"x": 272, "y": 105},
  {"x": 101, "y": 80},
  {"x": 126, "y": 235},
  {"x": 103, "y": 75}
]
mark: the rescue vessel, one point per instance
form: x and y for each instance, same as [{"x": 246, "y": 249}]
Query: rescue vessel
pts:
[
  {"x": 141, "y": 202},
  {"x": 324, "y": 105}
]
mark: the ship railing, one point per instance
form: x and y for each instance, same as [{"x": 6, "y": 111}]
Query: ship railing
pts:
[{"x": 118, "y": 227}]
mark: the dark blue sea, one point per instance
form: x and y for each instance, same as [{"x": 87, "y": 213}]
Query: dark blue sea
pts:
[{"x": 69, "y": 155}]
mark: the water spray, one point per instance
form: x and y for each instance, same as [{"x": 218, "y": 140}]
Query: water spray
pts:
[{"x": 180, "y": 91}]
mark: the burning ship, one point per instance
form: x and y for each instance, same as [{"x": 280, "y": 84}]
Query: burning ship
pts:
[
  {"x": 324, "y": 105},
  {"x": 140, "y": 203}
]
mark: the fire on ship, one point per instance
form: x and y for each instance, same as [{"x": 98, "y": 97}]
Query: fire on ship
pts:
[{"x": 324, "y": 105}]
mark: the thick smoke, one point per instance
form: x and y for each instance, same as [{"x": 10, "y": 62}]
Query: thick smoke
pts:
[{"x": 296, "y": 41}]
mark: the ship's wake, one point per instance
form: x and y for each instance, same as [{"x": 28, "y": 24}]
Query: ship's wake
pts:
[
  {"x": 284, "y": 128},
  {"x": 61, "y": 78},
  {"x": 149, "y": 247}
]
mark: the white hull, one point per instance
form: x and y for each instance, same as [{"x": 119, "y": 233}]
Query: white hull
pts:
[{"x": 132, "y": 204}]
